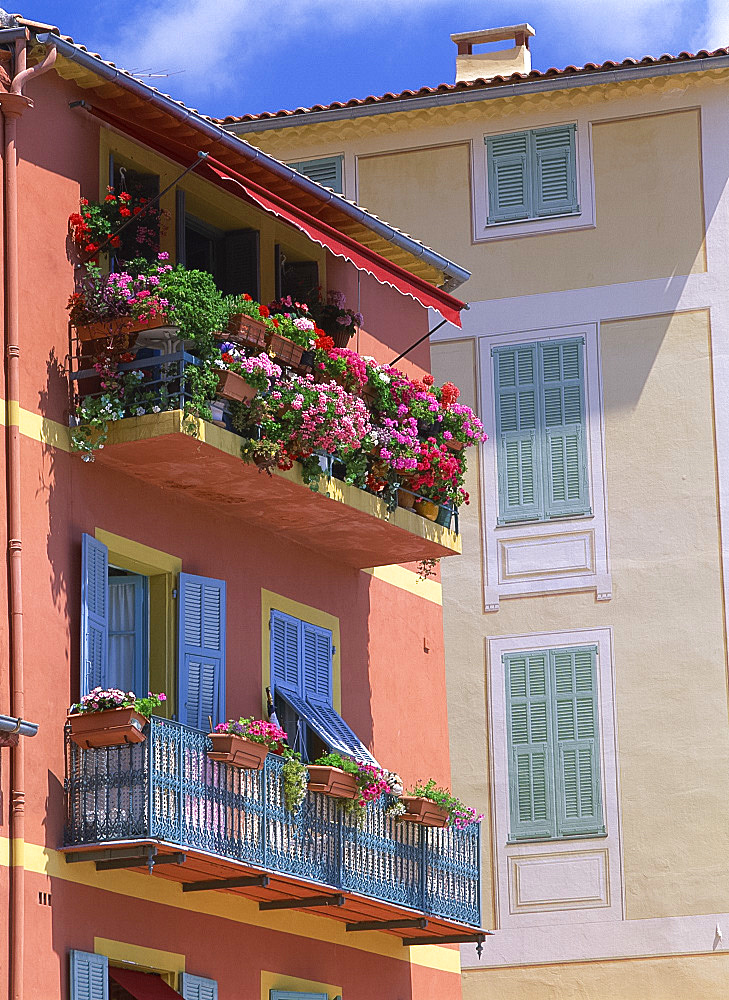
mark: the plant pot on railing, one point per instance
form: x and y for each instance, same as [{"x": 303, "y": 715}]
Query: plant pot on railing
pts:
[
  {"x": 423, "y": 811},
  {"x": 122, "y": 326},
  {"x": 454, "y": 445},
  {"x": 332, "y": 781},
  {"x": 245, "y": 331},
  {"x": 237, "y": 751},
  {"x": 233, "y": 386},
  {"x": 405, "y": 499},
  {"x": 286, "y": 350},
  {"x": 427, "y": 509},
  {"x": 113, "y": 727},
  {"x": 445, "y": 515}
]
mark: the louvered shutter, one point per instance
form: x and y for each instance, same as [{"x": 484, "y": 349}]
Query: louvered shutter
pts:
[
  {"x": 241, "y": 264},
  {"x": 89, "y": 976},
  {"x": 563, "y": 443},
  {"x": 286, "y": 673},
  {"x": 197, "y": 987},
  {"x": 329, "y": 726},
  {"x": 326, "y": 171},
  {"x": 577, "y": 749},
  {"x": 94, "y": 613},
  {"x": 529, "y": 744},
  {"x": 510, "y": 188},
  {"x": 517, "y": 433},
  {"x": 201, "y": 650},
  {"x": 554, "y": 170},
  {"x": 317, "y": 663}
]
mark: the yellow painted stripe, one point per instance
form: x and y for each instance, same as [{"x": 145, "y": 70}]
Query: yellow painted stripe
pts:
[
  {"x": 35, "y": 426},
  {"x": 45, "y": 861},
  {"x": 405, "y": 579}
]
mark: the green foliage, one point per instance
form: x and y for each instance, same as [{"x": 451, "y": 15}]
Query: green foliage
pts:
[
  {"x": 293, "y": 780},
  {"x": 198, "y": 306}
]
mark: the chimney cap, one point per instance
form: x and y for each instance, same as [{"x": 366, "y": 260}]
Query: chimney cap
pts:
[{"x": 495, "y": 35}]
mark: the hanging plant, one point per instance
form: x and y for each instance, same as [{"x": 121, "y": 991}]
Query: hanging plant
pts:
[{"x": 293, "y": 780}]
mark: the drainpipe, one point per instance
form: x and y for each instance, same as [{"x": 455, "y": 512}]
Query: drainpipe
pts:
[{"x": 12, "y": 106}]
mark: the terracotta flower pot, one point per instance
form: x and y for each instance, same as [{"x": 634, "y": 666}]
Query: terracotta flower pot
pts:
[
  {"x": 427, "y": 509},
  {"x": 332, "y": 781},
  {"x": 110, "y": 728},
  {"x": 342, "y": 335},
  {"x": 233, "y": 386},
  {"x": 454, "y": 445},
  {"x": 405, "y": 499},
  {"x": 286, "y": 350},
  {"x": 245, "y": 331},
  {"x": 424, "y": 811},
  {"x": 238, "y": 751},
  {"x": 126, "y": 326}
]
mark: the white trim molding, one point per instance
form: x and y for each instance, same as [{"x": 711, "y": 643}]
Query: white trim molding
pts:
[
  {"x": 545, "y": 557},
  {"x": 584, "y": 218},
  {"x": 572, "y": 880}
]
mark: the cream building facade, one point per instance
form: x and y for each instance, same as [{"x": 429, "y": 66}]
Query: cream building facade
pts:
[{"x": 586, "y": 626}]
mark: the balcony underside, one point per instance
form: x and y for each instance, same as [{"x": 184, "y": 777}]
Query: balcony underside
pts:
[
  {"x": 198, "y": 866},
  {"x": 340, "y": 521}
]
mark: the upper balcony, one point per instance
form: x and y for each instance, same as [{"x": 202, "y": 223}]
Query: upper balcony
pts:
[
  {"x": 163, "y": 806},
  {"x": 172, "y": 450}
]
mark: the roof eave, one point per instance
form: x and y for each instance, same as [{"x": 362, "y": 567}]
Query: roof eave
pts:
[
  {"x": 454, "y": 275},
  {"x": 489, "y": 92}
]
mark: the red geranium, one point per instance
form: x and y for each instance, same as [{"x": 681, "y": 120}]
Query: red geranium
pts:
[
  {"x": 264, "y": 311},
  {"x": 247, "y": 297},
  {"x": 324, "y": 342}
]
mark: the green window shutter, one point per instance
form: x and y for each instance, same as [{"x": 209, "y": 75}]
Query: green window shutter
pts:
[
  {"x": 564, "y": 451},
  {"x": 197, "y": 987},
  {"x": 577, "y": 744},
  {"x": 510, "y": 189},
  {"x": 326, "y": 171},
  {"x": 530, "y": 745},
  {"x": 554, "y": 170},
  {"x": 89, "y": 976},
  {"x": 517, "y": 435}
]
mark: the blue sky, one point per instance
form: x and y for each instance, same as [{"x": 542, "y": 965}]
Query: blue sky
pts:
[{"x": 238, "y": 56}]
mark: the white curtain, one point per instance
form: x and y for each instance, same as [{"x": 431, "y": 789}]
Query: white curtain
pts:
[{"x": 122, "y": 634}]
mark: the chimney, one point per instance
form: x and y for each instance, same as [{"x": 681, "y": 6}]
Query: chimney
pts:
[{"x": 472, "y": 65}]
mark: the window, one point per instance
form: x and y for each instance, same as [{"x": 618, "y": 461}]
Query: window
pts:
[
  {"x": 532, "y": 175},
  {"x": 540, "y": 430},
  {"x": 232, "y": 256},
  {"x": 326, "y": 171},
  {"x": 301, "y": 677},
  {"x": 140, "y": 184},
  {"x": 553, "y": 743},
  {"x": 92, "y": 978},
  {"x": 118, "y": 612}
]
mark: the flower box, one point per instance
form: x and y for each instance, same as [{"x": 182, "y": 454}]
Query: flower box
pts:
[
  {"x": 405, "y": 499},
  {"x": 286, "y": 350},
  {"x": 233, "y": 386},
  {"x": 332, "y": 781},
  {"x": 110, "y": 728},
  {"x": 245, "y": 331},
  {"x": 424, "y": 811},
  {"x": 238, "y": 751},
  {"x": 428, "y": 509},
  {"x": 454, "y": 445},
  {"x": 125, "y": 326}
]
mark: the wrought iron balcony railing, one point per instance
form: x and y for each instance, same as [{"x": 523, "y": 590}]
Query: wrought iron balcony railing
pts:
[{"x": 166, "y": 790}]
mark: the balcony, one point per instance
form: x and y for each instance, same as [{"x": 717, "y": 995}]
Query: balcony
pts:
[
  {"x": 341, "y": 521},
  {"x": 163, "y": 806}
]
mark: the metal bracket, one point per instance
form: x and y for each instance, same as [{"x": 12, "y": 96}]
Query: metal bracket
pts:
[
  {"x": 108, "y": 859},
  {"x": 302, "y": 903},
  {"x": 386, "y": 925},
  {"x": 226, "y": 883},
  {"x": 477, "y": 939}
]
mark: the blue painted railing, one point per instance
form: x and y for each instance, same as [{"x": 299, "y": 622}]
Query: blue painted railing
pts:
[{"x": 167, "y": 789}]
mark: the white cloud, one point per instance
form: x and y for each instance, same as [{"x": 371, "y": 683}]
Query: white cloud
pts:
[{"x": 716, "y": 26}]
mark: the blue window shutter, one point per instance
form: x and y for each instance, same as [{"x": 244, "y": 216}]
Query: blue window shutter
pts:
[
  {"x": 286, "y": 672},
  {"x": 510, "y": 188},
  {"x": 317, "y": 663},
  {"x": 94, "y": 613},
  {"x": 529, "y": 745},
  {"x": 201, "y": 650},
  {"x": 577, "y": 746},
  {"x": 564, "y": 444},
  {"x": 197, "y": 987},
  {"x": 554, "y": 170},
  {"x": 89, "y": 976},
  {"x": 295, "y": 995},
  {"x": 329, "y": 726},
  {"x": 517, "y": 433},
  {"x": 326, "y": 171}
]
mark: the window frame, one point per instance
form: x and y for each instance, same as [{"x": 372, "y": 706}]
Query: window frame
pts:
[
  {"x": 584, "y": 218},
  {"x": 337, "y": 157}
]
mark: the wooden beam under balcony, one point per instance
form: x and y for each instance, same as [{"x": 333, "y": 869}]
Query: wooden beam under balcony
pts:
[{"x": 341, "y": 522}]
